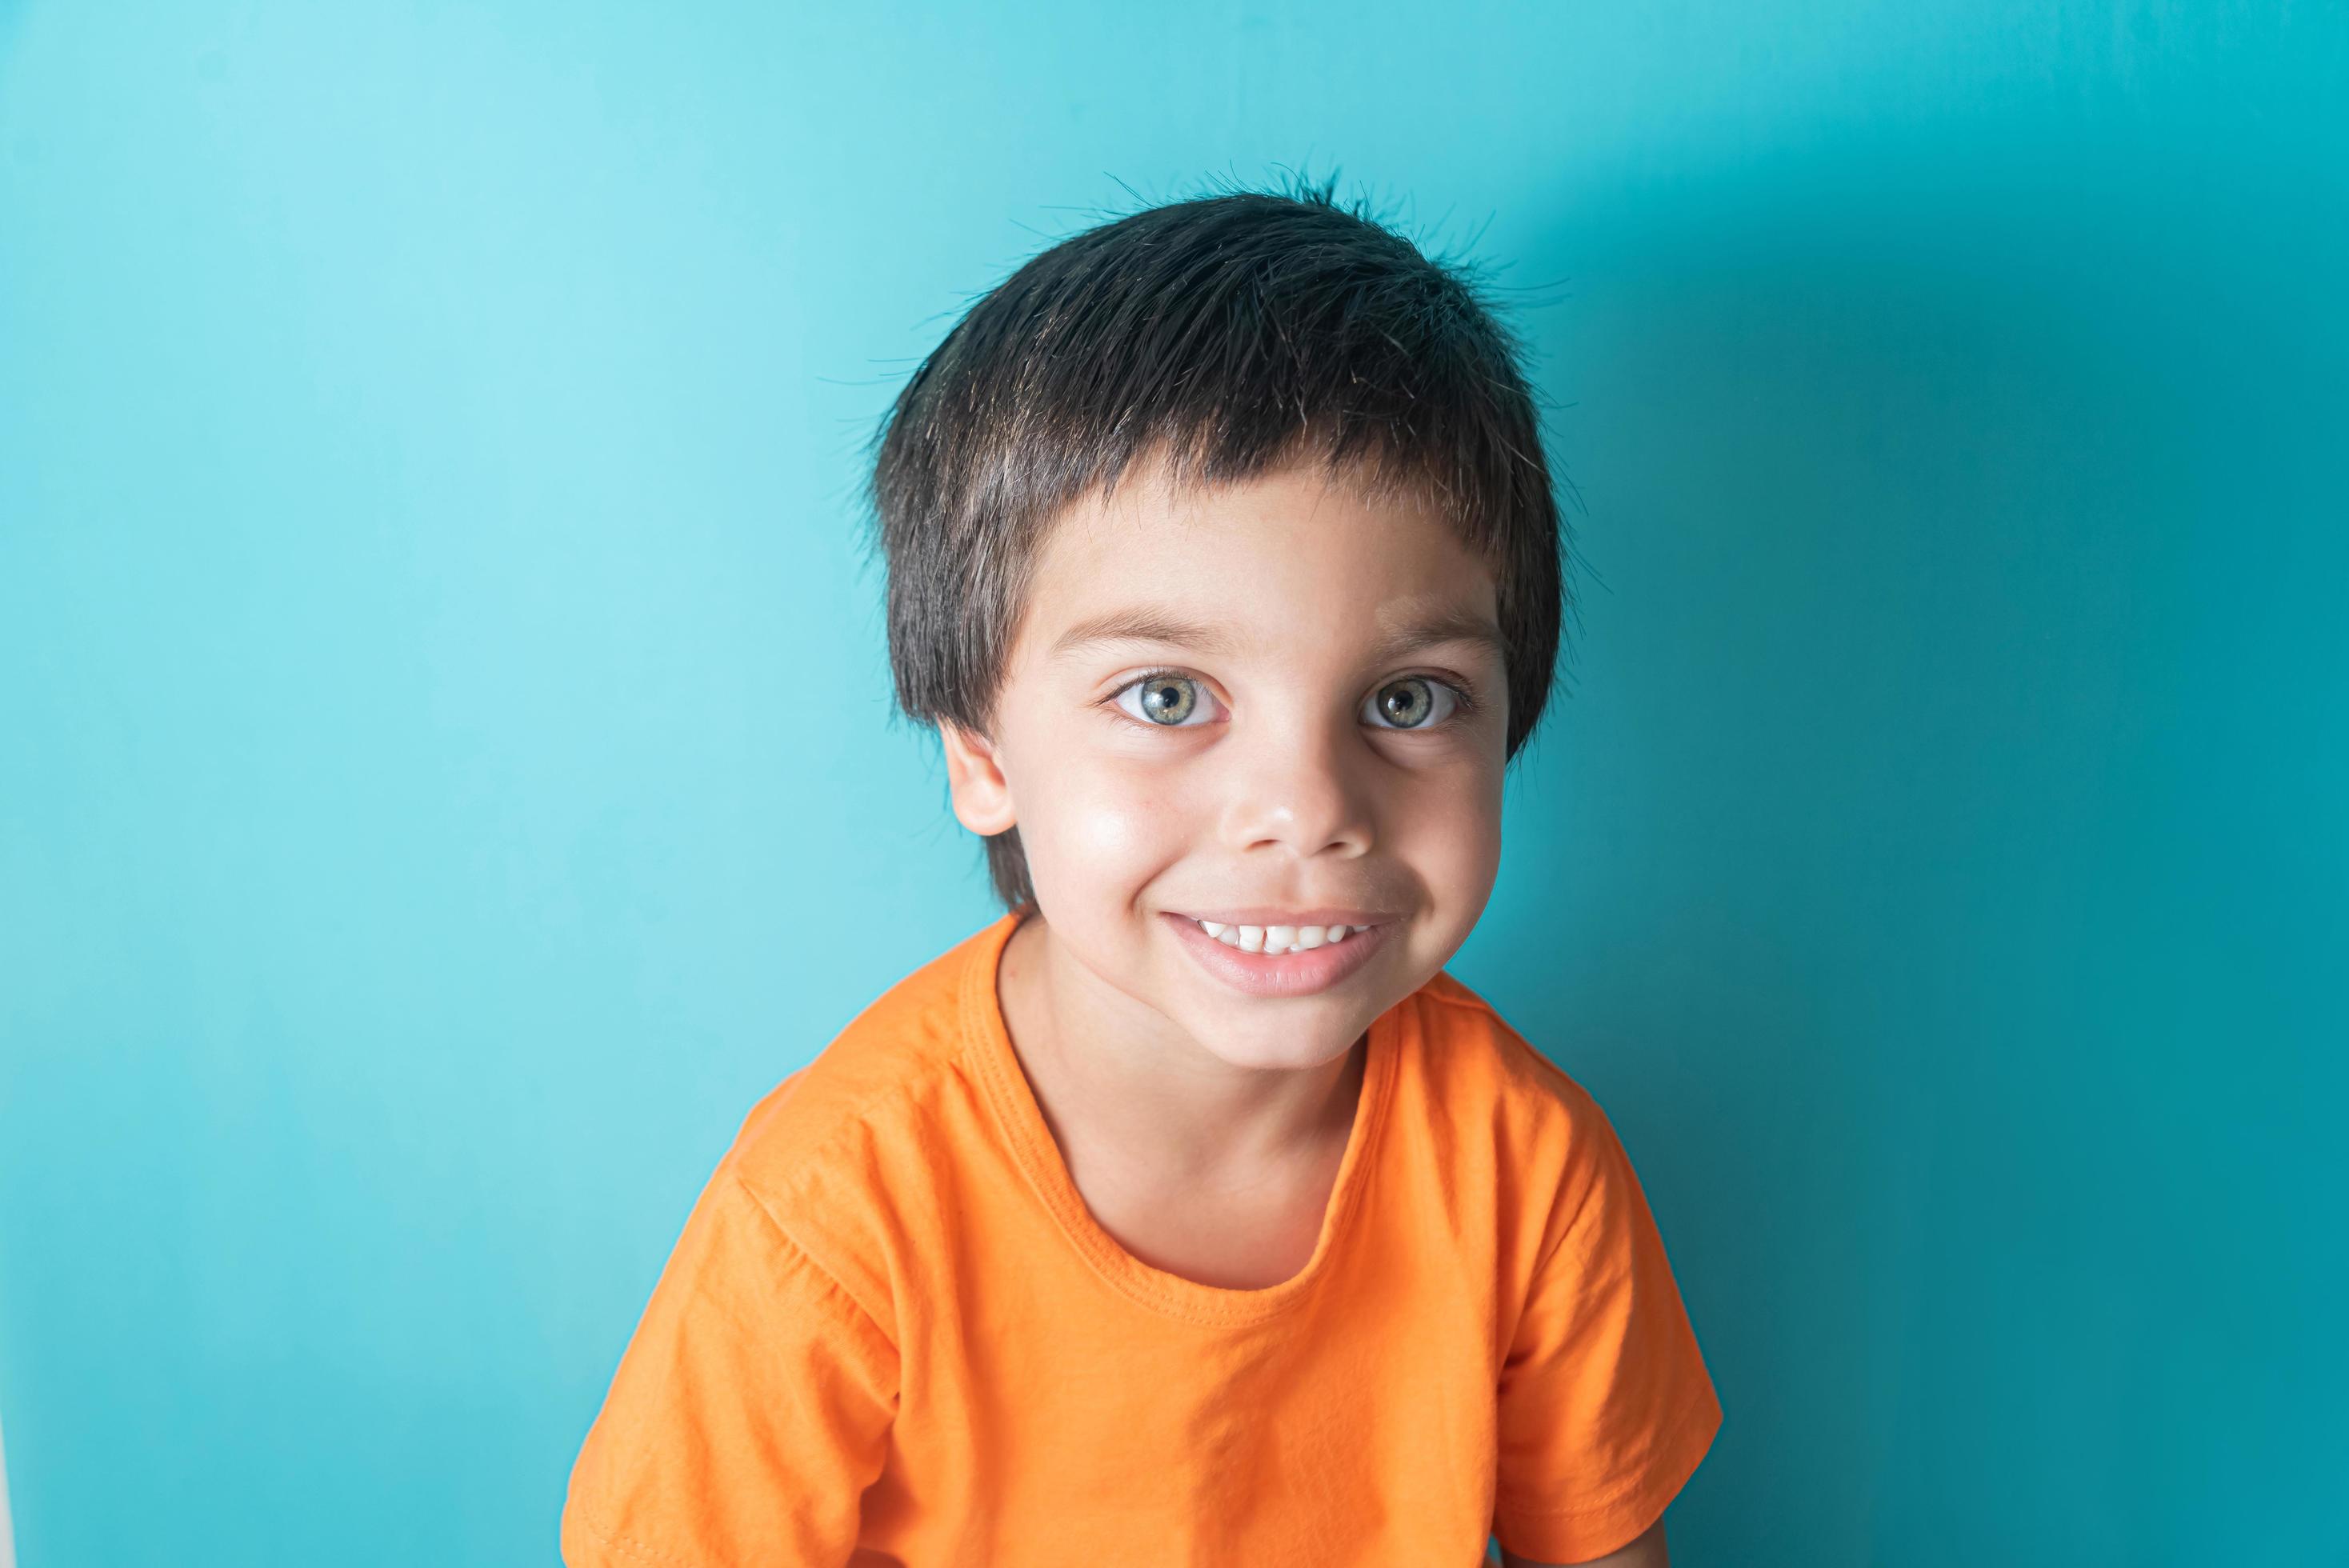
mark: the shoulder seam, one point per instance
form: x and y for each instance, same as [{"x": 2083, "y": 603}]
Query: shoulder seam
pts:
[
  {"x": 1459, "y": 995},
  {"x": 1610, "y": 1151},
  {"x": 800, "y": 1248}
]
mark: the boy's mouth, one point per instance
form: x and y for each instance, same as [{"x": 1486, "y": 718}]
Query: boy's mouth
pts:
[
  {"x": 1272, "y": 933},
  {"x": 1296, "y": 970}
]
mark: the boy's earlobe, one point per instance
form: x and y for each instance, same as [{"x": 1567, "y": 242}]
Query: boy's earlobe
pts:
[{"x": 981, "y": 795}]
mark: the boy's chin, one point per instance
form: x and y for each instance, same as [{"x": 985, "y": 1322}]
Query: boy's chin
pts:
[{"x": 1276, "y": 1036}]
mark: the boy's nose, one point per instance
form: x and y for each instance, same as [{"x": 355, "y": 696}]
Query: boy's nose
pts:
[{"x": 1303, "y": 786}]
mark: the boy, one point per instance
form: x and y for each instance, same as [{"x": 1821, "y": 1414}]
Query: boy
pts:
[{"x": 1189, "y": 1213}]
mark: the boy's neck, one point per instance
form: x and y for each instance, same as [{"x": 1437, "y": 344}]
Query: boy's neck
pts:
[{"x": 1118, "y": 1079}]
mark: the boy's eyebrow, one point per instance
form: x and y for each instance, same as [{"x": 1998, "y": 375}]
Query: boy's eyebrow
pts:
[{"x": 1146, "y": 625}]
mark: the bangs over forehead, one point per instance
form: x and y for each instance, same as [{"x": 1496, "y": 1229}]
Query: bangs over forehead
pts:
[{"x": 1210, "y": 340}]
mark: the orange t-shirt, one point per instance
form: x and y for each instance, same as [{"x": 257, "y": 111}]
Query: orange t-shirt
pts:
[{"x": 892, "y": 1333}]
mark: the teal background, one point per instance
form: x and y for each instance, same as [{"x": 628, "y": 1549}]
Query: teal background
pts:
[{"x": 446, "y": 773}]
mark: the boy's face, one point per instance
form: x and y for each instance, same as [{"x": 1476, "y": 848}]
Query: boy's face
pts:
[{"x": 1291, "y": 764}]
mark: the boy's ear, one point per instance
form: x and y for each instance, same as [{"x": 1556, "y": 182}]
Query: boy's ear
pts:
[{"x": 982, "y": 796}]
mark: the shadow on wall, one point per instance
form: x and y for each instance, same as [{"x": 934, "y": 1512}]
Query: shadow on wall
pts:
[{"x": 1953, "y": 533}]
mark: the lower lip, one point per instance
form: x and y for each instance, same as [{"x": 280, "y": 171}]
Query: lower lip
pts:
[{"x": 1288, "y": 973}]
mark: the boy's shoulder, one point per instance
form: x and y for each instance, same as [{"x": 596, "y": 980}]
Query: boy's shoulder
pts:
[
  {"x": 848, "y": 1154},
  {"x": 1455, "y": 1011},
  {"x": 1483, "y": 1066},
  {"x": 854, "y": 1101}
]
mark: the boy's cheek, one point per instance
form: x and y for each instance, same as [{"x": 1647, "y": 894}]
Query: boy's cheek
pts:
[
  {"x": 1094, "y": 837},
  {"x": 1452, "y": 843}
]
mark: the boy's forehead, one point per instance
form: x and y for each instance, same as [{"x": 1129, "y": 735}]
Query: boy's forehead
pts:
[{"x": 1219, "y": 569}]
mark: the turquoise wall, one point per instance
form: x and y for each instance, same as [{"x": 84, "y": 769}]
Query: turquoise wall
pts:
[{"x": 446, "y": 777}]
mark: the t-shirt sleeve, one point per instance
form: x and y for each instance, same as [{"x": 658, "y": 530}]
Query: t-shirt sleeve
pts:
[
  {"x": 1605, "y": 1404},
  {"x": 750, "y": 1409}
]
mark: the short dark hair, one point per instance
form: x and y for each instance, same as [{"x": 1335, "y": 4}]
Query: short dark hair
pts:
[{"x": 1226, "y": 336}]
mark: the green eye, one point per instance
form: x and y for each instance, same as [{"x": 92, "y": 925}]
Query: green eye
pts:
[
  {"x": 1407, "y": 703},
  {"x": 1166, "y": 699}
]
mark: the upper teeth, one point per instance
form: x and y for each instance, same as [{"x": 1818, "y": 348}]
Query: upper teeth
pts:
[{"x": 1276, "y": 938}]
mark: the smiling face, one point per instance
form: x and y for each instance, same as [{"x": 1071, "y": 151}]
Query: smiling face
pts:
[{"x": 1221, "y": 704}]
